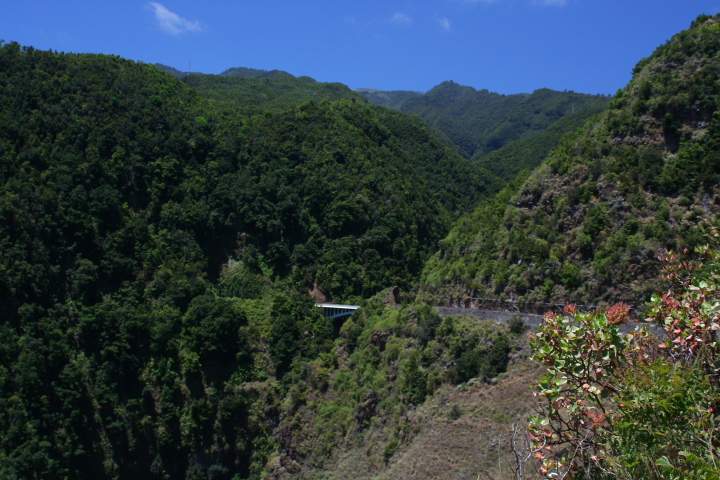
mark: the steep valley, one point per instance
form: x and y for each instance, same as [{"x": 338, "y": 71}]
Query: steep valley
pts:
[{"x": 166, "y": 236}]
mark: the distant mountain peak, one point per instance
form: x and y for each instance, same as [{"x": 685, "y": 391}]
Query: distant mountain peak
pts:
[{"x": 480, "y": 121}]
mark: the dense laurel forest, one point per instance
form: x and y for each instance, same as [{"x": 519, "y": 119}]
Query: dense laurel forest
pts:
[
  {"x": 157, "y": 255},
  {"x": 589, "y": 224},
  {"x": 518, "y": 131},
  {"x": 479, "y": 121}
]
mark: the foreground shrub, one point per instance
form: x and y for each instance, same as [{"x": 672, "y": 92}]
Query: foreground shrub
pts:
[
  {"x": 665, "y": 424},
  {"x": 631, "y": 406}
]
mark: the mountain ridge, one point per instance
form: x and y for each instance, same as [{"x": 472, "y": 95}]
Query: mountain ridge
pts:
[{"x": 480, "y": 121}]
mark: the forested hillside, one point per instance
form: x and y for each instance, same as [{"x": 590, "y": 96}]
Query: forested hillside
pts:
[
  {"x": 589, "y": 224},
  {"x": 518, "y": 131},
  {"x": 157, "y": 255},
  {"x": 250, "y": 93},
  {"x": 249, "y": 90},
  {"x": 479, "y": 121}
]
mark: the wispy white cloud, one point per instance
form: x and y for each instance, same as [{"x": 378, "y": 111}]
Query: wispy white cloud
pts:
[
  {"x": 172, "y": 23},
  {"x": 445, "y": 23},
  {"x": 400, "y": 18}
]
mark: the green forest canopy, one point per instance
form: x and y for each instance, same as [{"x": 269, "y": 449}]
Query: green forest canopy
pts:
[{"x": 129, "y": 340}]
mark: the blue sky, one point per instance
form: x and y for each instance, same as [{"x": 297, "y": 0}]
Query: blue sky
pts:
[{"x": 503, "y": 45}]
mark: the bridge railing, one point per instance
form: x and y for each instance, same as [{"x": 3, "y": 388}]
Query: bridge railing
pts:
[{"x": 336, "y": 310}]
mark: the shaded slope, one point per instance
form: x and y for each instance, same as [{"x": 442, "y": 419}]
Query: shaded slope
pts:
[
  {"x": 528, "y": 152},
  {"x": 589, "y": 223},
  {"x": 360, "y": 194}
]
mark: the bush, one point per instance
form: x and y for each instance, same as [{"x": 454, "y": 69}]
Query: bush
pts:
[
  {"x": 631, "y": 406},
  {"x": 517, "y": 325},
  {"x": 482, "y": 357},
  {"x": 413, "y": 379},
  {"x": 455, "y": 412},
  {"x": 665, "y": 423},
  {"x": 570, "y": 275},
  {"x": 390, "y": 449}
]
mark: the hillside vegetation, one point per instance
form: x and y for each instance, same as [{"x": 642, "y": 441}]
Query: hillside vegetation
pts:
[
  {"x": 157, "y": 255},
  {"x": 527, "y": 153},
  {"x": 359, "y": 396},
  {"x": 252, "y": 91},
  {"x": 589, "y": 224},
  {"x": 249, "y": 90}
]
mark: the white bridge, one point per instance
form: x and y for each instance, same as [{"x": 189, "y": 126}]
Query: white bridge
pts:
[{"x": 336, "y": 310}]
